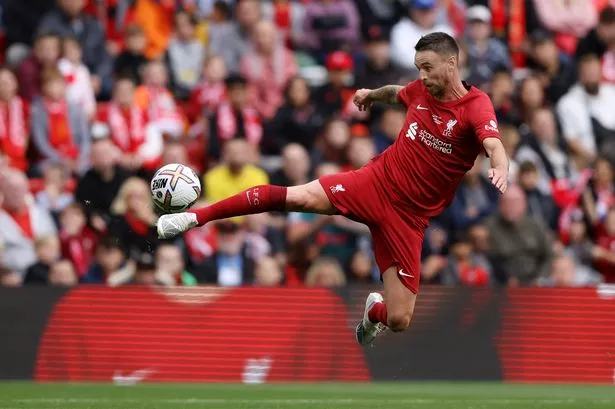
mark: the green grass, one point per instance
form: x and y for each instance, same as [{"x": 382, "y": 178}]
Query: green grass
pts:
[{"x": 419, "y": 395}]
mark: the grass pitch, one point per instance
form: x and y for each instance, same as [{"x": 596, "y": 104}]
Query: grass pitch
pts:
[{"x": 420, "y": 395}]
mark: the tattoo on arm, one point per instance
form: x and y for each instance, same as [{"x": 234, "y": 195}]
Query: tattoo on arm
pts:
[{"x": 387, "y": 94}]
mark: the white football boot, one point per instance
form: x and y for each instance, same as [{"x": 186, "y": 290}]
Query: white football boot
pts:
[
  {"x": 171, "y": 225},
  {"x": 366, "y": 330}
]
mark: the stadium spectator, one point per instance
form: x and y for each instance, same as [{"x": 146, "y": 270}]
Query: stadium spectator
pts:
[
  {"x": 325, "y": 272},
  {"x": 521, "y": 247},
  {"x": 288, "y": 17},
  {"x": 601, "y": 194},
  {"x": 79, "y": 89},
  {"x": 378, "y": 69},
  {"x": 604, "y": 255},
  {"x": 268, "y": 273},
  {"x": 156, "y": 100},
  {"x": 20, "y": 19},
  {"x": 600, "y": 40},
  {"x": 385, "y": 132},
  {"x": 465, "y": 267},
  {"x": 155, "y": 19},
  {"x": 335, "y": 97},
  {"x": 235, "y": 119},
  {"x": 580, "y": 247},
  {"x": 47, "y": 250},
  {"x": 330, "y": 25},
  {"x": 361, "y": 267},
  {"x": 45, "y": 54},
  {"x": 133, "y": 221},
  {"x": 331, "y": 147},
  {"x": 230, "y": 39},
  {"x": 14, "y": 122},
  {"x": 264, "y": 238},
  {"x": 69, "y": 20},
  {"x": 170, "y": 267},
  {"x": 540, "y": 205},
  {"x": 210, "y": 92},
  {"x": 10, "y": 279},
  {"x": 295, "y": 168},
  {"x": 297, "y": 121},
  {"x": 501, "y": 89},
  {"x": 99, "y": 186},
  {"x": 268, "y": 66},
  {"x": 110, "y": 265},
  {"x": 126, "y": 124},
  {"x": 561, "y": 273},
  {"x": 531, "y": 97},
  {"x": 130, "y": 62},
  {"x": 568, "y": 20},
  {"x": 474, "y": 201},
  {"x": 185, "y": 56},
  {"x": 381, "y": 14},
  {"x": 485, "y": 54},
  {"x": 361, "y": 150},
  {"x": 511, "y": 139},
  {"x": 555, "y": 69},
  {"x": 542, "y": 149},
  {"x": 22, "y": 222},
  {"x": 77, "y": 240},
  {"x": 235, "y": 174},
  {"x": 587, "y": 121},
  {"x": 229, "y": 266},
  {"x": 55, "y": 196},
  {"x": 60, "y": 129},
  {"x": 421, "y": 19},
  {"x": 62, "y": 274}
]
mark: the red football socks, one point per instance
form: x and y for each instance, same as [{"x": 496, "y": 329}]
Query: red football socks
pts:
[
  {"x": 258, "y": 199},
  {"x": 378, "y": 313}
]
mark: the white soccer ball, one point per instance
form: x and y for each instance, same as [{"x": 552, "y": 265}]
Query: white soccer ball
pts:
[{"x": 175, "y": 188}]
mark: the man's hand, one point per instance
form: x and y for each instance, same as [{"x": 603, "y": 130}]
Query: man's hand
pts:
[
  {"x": 362, "y": 99},
  {"x": 499, "y": 179}
]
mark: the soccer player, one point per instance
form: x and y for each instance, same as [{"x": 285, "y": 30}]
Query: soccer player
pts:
[{"x": 448, "y": 124}]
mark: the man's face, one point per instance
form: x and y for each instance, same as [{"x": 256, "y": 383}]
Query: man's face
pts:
[
  {"x": 295, "y": 162},
  {"x": 47, "y": 50},
  {"x": 104, "y": 156},
  {"x": 248, "y": 13},
  {"x": 543, "y": 126},
  {"x": 479, "y": 31},
  {"x": 124, "y": 92},
  {"x": 236, "y": 153},
  {"x": 513, "y": 205},
  {"x": 435, "y": 71},
  {"x": 590, "y": 74},
  {"x": 378, "y": 53},
  {"x": 169, "y": 259},
  {"x": 72, "y": 7},
  {"x": 15, "y": 189},
  {"x": 265, "y": 37},
  {"x": 606, "y": 32},
  {"x": 545, "y": 52}
]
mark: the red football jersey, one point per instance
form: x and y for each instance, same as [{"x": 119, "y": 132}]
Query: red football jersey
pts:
[{"x": 437, "y": 145}]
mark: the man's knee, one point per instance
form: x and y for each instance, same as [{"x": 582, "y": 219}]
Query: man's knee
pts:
[
  {"x": 309, "y": 197},
  {"x": 399, "y": 321}
]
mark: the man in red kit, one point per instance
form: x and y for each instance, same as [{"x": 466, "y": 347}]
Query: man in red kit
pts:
[{"x": 448, "y": 124}]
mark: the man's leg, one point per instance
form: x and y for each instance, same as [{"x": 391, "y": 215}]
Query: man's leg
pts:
[{"x": 310, "y": 198}]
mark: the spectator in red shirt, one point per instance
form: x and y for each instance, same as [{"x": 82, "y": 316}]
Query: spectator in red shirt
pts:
[
  {"x": 604, "y": 252},
  {"x": 78, "y": 241},
  {"x": 268, "y": 66},
  {"x": 211, "y": 92},
  {"x": 14, "y": 122},
  {"x": 45, "y": 54}
]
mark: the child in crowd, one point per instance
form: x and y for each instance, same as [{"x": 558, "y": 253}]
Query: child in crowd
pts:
[
  {"x": 14, "y": 122},
  {"x": 131, "y": 61},
  {"x": 54, "y": 196},
  {"x": 185, "y": 55},
  {"x": 62, "y": 274},
  {"x": 211, "y": 92},
  {"x": 79, "y": 90},
  {"x": 47, "y": 252}
]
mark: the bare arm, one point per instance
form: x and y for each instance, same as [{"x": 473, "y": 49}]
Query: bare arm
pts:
[
  {"x": 386, "y": 95},
  {"x": 499, "y": 163}
]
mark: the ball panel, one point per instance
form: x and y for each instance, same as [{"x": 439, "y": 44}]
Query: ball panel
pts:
[{"x": 175, "y": 188}]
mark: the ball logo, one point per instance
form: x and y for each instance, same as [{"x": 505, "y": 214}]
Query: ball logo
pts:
[{"x": 159, "y": 184}]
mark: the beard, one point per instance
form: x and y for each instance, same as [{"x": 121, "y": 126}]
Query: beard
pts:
[
  {"x": 592, "y": 89},
  {"x": 436, "y": 90}
]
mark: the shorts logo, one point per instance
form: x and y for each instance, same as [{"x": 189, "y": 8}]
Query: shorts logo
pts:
[
  {"x": 493, "y": 126},
  {"x": 401, "y": 273},
  {"x": 337, "y": 188},
  {"x": 411, "y": 133},
  {"x": 449, "y": 127}
]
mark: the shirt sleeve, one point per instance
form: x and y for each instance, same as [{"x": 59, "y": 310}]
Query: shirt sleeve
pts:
[
  {"x": 482, "y": 119},
  {"x": 405, "y": 95}
]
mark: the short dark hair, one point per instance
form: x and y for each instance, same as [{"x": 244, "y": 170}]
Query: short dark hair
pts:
[
  {"x": 223, "y": 8},
  {"x": 438, "y": 42},
  {"x": 607, "y": 16},
  {"x": 527, "y": 167}
]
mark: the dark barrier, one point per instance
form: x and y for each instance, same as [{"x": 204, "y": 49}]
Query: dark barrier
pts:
[{"x": 255, "y": 335}]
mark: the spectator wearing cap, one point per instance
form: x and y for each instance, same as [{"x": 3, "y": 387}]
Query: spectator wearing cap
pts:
[
  {"x": 485, "y": 54},
  {"x": 14, "y": 122},
  {"x": 567, "y": 19},
  {"x": 45, "y": 55},
  {"x": 586, "y": 113},
  {"x": 268, "y": 66},
  {"x": 335, "y": 97},
  {"x": 230, "y": 265},
  {"x": 330, "y": 25},
  {"x": 421, "y": 20},
  {"x": 556, "y": 69},
  {"x": 297, "y": 121},
  {"x": 236, "y": 118},
  {"x": 378, "y": 68},
  {"x": 69, "y": 20}
]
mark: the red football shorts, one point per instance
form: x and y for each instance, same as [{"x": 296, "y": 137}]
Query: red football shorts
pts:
[{"x": 397, "y": 233}]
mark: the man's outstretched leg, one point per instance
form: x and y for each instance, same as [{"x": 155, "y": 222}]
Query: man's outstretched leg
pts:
[
  {"x": 393, "y": 312},
  {"x": 309, "y": 198}
]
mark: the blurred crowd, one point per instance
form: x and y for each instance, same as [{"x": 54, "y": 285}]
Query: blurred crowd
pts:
[{"x": 95, "y": 95}]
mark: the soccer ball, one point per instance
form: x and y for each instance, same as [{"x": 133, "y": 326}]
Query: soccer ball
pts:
[{"x": 175, "y": 188}]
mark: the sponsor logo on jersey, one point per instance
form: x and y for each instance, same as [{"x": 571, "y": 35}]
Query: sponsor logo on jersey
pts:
[
  {"x": 436, "y": 119},
  {"x": 411, "y": 132},
  {"x": 493, "y": 126},
  {"x": 449, "y": 127}
]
